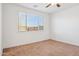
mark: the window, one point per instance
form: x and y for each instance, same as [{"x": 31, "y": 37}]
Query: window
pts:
[{"x": 30, "y": 22}]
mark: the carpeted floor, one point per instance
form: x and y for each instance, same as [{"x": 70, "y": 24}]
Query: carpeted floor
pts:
[{"x": 43, "y": 48}]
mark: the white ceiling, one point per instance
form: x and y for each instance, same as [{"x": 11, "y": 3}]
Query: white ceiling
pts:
[{"x": 51, "y": 9}]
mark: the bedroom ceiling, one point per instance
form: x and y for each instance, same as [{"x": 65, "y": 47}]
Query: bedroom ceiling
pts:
[{"x": 51, "y": 9}]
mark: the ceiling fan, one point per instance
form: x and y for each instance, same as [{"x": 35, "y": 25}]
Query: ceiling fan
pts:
[{"x": 52, "y": 4}]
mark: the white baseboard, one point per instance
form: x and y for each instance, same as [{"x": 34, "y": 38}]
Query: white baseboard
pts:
[
  {"x": 64, "y": 41},
  {"x": 29, "y": 42}
]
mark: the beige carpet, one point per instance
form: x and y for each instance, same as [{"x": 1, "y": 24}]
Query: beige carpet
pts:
[{"x": 43, "y": 48}]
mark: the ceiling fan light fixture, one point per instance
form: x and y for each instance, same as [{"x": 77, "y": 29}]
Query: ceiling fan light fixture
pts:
[{"x": 52, "y": 4}]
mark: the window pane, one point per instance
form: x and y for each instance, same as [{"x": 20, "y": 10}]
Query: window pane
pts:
[
  {"x": 22, "y": 21},
  {"x": 41, "y": 23},
  {"x": 32, "y": 20}
]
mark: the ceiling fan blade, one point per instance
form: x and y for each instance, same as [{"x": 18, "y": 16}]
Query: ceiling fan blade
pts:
[
  {"x": 48, "y": 5},
  {"x": 58, "y": 5}
]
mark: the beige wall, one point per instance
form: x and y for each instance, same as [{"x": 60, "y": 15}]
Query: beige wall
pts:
[
  {"x": 0, "y": 29},
  {"x": 65, "y": 26},
  {"x": 11, "y": 36}
]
